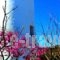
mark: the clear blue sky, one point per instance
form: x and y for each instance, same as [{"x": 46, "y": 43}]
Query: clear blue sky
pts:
[
  {"x": 35, "y": 12},
  {"x": 23, "y": 15},
  {"x": 42, "y": 10}
]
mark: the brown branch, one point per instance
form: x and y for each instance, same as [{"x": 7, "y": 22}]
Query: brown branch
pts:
[{"x": 4, "y": 9}]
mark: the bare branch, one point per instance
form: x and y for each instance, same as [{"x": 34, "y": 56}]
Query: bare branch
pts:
[{"x": 11, "y": 10}]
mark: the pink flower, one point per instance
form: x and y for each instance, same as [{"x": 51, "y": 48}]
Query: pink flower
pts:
[
  {"x": 38, "y": 58},
  {"x": 23, "y": 38},
  {"x": 1, "y": 33},
  {"x": 9, "y": 34},
  {"x": 28, "y": 57}
]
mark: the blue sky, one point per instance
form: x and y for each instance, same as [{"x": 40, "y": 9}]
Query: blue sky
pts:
[
  {"x": 35, "y": 12},
  {"x": 23, "y": 15},
  {"x": 42, "y": 10}
]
